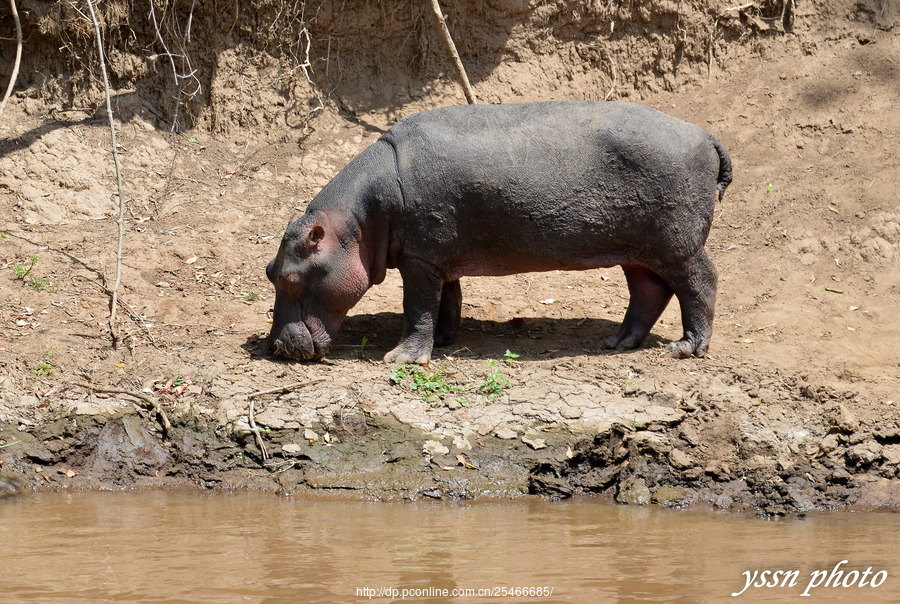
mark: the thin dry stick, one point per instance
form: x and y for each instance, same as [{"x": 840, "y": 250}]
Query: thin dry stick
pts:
[
  {"x": 251, "y": 415},
  {"x": 114, "y": 332},
  {"x": 612, "y": 63},
  {"x": 257, "y": 434},
  {"x": 151, "y": 405},
  {"x": 454, "y": 56},
  {"x": 282, "y": 389},
  {"x": 709, "y": 64},
  {"x": 15, "y": 71}
]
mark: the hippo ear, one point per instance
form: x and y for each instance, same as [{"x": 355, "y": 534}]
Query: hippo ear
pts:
[{"x": 316, "y": 235}]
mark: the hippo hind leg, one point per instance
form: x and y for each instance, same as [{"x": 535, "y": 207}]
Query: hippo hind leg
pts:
[
  {"x": 695, "y": 287},
  {"x": 449, "y": 313},
  {"x": 649, "y": 296}
]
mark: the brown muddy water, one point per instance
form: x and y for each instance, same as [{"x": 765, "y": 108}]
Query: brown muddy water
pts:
[{"x": 197, "y": 547}]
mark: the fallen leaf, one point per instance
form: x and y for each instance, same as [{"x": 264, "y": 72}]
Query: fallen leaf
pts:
[
  {"x": 464, "y": 462},
  {"x": 191, "y": 260}
]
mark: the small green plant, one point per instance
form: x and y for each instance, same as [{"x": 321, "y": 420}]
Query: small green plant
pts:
[
  {"x": 22, "y": 271},
  {"x": 431, "y": 385},
  {"x": 251, "y": 297},
  {"x": 45, "y": 367},
  {"x": 510, "y": 357},
  {"x": 494, "y": 383},
  {"x": 3, "y": 234},
  {"x": 362, "y": 348},
  {"x": 40, "y": 284}
]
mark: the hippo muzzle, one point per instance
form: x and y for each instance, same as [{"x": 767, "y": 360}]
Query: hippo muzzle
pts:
[{"x": 294, "y": 341}]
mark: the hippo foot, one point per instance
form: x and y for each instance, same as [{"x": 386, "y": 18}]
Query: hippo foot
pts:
[
  {"x": 401, "y": 356},
  {"x": 683, "y": 349},
  {"x": 620, "y": 342}
]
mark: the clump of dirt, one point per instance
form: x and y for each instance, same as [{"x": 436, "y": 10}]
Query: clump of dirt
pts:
[{"x": 232, "y": 117}]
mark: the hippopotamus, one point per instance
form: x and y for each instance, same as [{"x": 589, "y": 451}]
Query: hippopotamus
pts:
[{"x": 499, "y": 190}]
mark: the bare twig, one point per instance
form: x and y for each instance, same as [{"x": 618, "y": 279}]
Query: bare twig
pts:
[
  {"x": 150, "y": 404},
  {"x": 257, "y": 434},
  {"x": 284, "y": 389},
  {"x": 454, "y": 56},
  {"x": 612, "y": 63},
  {"x": 121, "y": 220},
  {"x": 15, "y": 71},
  {"x": 742, "y": 7},
  {"x": 251, "y": 415}
]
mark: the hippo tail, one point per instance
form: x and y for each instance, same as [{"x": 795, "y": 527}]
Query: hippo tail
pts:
[{"x": 724, "y": 178}]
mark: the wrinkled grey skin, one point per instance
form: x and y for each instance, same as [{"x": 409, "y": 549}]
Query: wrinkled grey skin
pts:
[{"x": 499, "y": 190}]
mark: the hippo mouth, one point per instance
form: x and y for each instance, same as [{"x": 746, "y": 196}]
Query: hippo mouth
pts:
[{"x": 297, "y": 342}]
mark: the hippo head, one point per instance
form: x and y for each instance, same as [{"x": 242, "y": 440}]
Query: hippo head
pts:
[{"x": 319, "y": 276}]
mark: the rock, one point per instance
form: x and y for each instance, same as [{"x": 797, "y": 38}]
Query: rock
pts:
[
  {"x": 434, "y": 447},
  {"x": 107, "y": 407},
  {"x": 864, "y": 454},
  {"x": 550, "y": 487},
  {"x": 679, "y": 459},
  {"x": 505, "y": 433},
  {"x": 10, "y": 485},
  {"x": 667, "y": 495},
  {"x": 649, "y": 442},
  {"x": 718, "y": 469},
  {"x": 690, "y": 435},
  {"x": 657, "y": 417},
  {"x": 801, "y": 499},
  {"x": 274, "y": 417},
  {"x": 570, "y": 412},
  {"x": 311, "y": 436},
  {"x": 462, "y": 443},
  {"x": 634, "y": 492},
  {"x": 881, "y": 493},
  {"x": 845, "y": 421},
  {"x": 291, "y": 449},
  {"x": 533, "y": 442},
  {"x": 891, "y": 454},
  {"x": 829, "y": 444}
]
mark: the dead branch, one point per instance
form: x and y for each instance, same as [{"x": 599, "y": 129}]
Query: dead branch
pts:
[
  {"x": 114, "y": 332},
  {"x": 15, "y": 71},
  {"x": 454, "y": 56},
  {"x": 257, "y": 434},
  {"x": 149, "y": 403},
  {"x": 251, "y": 414},
  {"x": 284, "y": 389},
  {"x": 612, "y": 63},
  {"x": 741, "y": 7}
]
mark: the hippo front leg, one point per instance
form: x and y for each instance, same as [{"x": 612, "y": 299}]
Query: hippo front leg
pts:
[{"x": 422, "y": 286}]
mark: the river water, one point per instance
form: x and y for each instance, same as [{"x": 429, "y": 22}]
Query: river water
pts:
[{"x": 198, "y": 547}]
